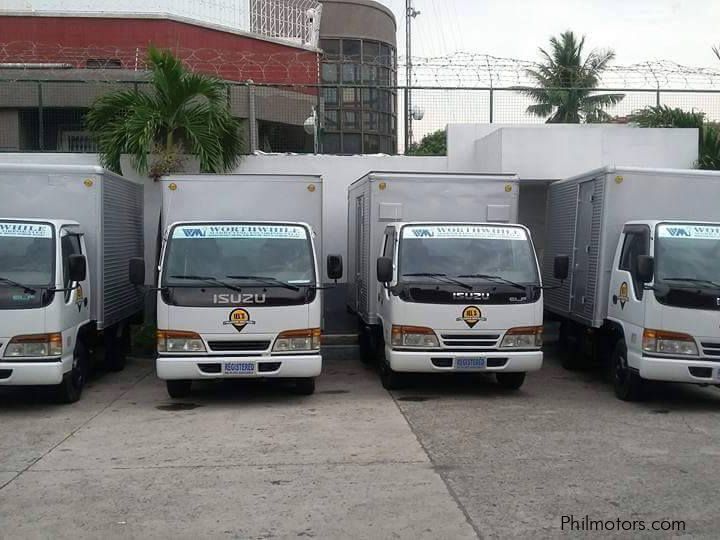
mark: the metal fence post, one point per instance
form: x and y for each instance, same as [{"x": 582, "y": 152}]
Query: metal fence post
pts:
[
  {"x": 252, "y": 118},
  {"x": 407, "y": 118},
  {"x": 492, "y": 104},
  {"x": 41, "y": 120},
  {"x": 657, "y": 97}
]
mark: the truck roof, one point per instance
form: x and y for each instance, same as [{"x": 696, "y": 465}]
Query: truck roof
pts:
[
  {"x": 56, "y": 168},
  {"x": 478, "y": 223},
  {"x": 57, "y": 223},
  {"x": 239, "y": 177},
  {"x": 656, "y": 222},
  {"x": 424, "y": 175},
  {"x": 642, "y": 170}
]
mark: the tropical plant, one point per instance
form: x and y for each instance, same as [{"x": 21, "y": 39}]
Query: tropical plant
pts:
[
  {"x": 662, "y": 116},
  {"x": 566, "y": 82},
  {"x": 180, "y": 112},
  {"x": 432, "y": 144},
  {"x": 716, "y": 50}
]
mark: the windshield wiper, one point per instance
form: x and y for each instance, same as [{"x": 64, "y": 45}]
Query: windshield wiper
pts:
[
  {"x": 440, "y": 277},
  {"x": 268, "y": 280},
  {"x": 25, "y": 288},
  {"x": 692, "y": 280},
  {"x": 496, "y": 279},
  {"x": 209, "y": 279}
]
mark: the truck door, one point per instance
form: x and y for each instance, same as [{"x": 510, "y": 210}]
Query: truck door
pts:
[
  {"x": 387, "y": 250},
  {"x": 626, "y": 292},
  {"x": 583, "y": 239},
  {"x": 76, "y": 297}
]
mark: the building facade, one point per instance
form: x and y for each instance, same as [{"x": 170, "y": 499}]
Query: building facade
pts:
[{"x": 358, "y": 75}]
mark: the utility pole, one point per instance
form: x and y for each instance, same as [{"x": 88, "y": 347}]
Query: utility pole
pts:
[{"x": 410, "y": 14}]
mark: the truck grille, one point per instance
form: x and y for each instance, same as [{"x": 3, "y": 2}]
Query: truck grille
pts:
[
  {"x": 712, "y": 350},
  {"x": 238, "y": 346},
  {"x": 470, "y": 341}
]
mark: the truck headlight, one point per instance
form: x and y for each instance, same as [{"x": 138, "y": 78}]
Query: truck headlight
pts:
[
  {"x": 176, "y": 341},
  {"x": 524, "y": 337},
  {"x": 307, "y": 339},
  {"x": 34, "y": 346},
  {"x": 660, "y": 341},
  {"x": 414, "y": 336}
]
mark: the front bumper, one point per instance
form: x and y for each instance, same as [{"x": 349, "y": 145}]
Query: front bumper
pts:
[
  {"x": 213, "y": 367},
  {"x": 682, "y": 370},
  {"x": 43, "y": 373},
  {"x": 435, "y": 362}
]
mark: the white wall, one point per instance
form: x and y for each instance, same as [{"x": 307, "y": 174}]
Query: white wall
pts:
[{"x": 551, "y": 152}]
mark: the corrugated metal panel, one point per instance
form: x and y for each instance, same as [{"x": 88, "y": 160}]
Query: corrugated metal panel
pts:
[
  {"x": 364, "y": 251},
  {"x": 122, "y": 233},
  {"x": 593, "y": 270},
  {"x": 560, "y": 240}
]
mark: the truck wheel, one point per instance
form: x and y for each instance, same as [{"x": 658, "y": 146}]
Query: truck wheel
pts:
[
  {"x": 365, "y": 344},
  {"x": 179, "y": 389},
  {"x": 570, "y": 356},
  {"x": 305, "y": 387},
  {"x": 116, "y": 348},
  {"x": 628, "y": 385},
  {"x": 70, "y": 389},
  {"x": 510, "y": 381}
]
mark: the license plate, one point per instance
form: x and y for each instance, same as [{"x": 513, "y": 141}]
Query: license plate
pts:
[
  {"x": 469, "y": 363},
  {"x": 239, "y": 368}
]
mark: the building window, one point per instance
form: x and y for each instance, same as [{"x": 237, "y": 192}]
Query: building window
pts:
[{"x": 359, "y": 120}]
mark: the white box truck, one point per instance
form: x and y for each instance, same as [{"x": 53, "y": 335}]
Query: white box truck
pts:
[
  {"x": 642, "y": 247},
  {"x": 240, "y": 291},
  {"x": 441, "y": 278},
  {"x": 66, "y": 236}
]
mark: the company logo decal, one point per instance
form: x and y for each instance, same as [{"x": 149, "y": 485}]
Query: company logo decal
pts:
[
  {"x": 280, "y": 232},
  {"x": 239, "y": 319},
  {"x": 25, "y": 230},
  {"x": 700, "y": 232},
  {"x": 478, "y": 232},
  {"x": 623, "y": 297},
  {"x": 471, "y": 295},
  {"x": 79, "y": 297},
  {"x": 471, "y": 315}
]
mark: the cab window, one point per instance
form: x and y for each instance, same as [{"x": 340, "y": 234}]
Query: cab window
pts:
[
  {"x": 70, "y": 246},
  {"x": 637, "y": 242}
]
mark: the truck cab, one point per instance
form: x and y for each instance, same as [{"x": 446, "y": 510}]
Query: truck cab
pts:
[
  {"x": 664, "y": 302},
  {"x": 45, "y": 301},
  {"x": 459, "y": 297},
  {"x": 239, "y": 300}
]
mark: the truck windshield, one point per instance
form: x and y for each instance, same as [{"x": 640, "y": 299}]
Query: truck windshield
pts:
[
  {"x": 26, "y": 263},
  {"x": 471, "y": 252},
  {"x": 239, "y": 256},
  {"x": 687, "y": 255}
]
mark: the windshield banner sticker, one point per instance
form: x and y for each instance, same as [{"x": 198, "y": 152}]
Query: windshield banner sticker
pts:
[
  {"x": 700, "y": 232},
  {"x": 481, "y": 232},
  {"x": 25, "y": 230},
  {"x": 280, "y": 232}
]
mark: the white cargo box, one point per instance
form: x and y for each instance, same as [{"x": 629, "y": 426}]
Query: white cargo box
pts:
[
  {"x": 585, "y": 218},
  {"x": 379, "y": 198},
  {"x": 109, "y": 209},
  {"x": 244, "y": 197}
]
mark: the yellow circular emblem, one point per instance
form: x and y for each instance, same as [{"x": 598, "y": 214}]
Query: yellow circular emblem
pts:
[
  {"x": 239, "y": 318},
  {"x": 471, "y": 315}
]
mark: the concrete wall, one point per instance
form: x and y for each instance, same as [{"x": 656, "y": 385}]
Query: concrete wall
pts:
[{"x": 551, "y": 152}]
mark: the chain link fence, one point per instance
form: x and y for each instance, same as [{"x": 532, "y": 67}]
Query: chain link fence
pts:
[{"x": 47, "y": 115}]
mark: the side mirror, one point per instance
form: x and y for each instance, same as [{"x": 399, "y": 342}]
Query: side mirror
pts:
[
  {"x": 77, "y": 268},
  {"x": 645, "y": 268},
  {"x": 384, "y": 270},
  {"x": 335, "y": 266},
  {"x": 137, "y": 271},
  {"x": 561, "y": 267}
]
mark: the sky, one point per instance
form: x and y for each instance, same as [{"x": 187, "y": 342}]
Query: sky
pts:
[{"x": 682, "y": 31}]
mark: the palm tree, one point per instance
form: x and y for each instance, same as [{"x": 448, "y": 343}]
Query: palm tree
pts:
[
  {"x": 180, "y": 113},
  {"x": 566, "y": 83},
  {"x": 662, "y": 116}
]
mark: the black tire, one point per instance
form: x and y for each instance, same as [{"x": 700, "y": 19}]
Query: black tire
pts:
[
  {"x": 305, "y": 387},
  {"x": 179, "y": 389},
  {"x": 510, "y": 381},
  {"x": 70, "y": 389},
  {"x": 117, "y": 348},
  {"x": 390, "y": 379},
  {"x": 570, "y": 357},
  {"x": 366, "y": 344},
  {"x": 627, "y": 383}
]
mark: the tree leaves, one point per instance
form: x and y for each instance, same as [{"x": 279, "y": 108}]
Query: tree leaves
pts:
[
  {"x": 181, "y": 112},
  {"x": 566, "y": 83}
]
